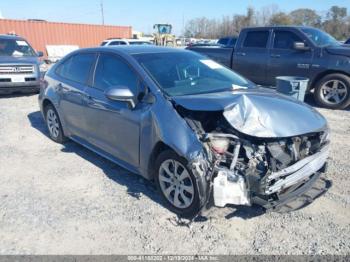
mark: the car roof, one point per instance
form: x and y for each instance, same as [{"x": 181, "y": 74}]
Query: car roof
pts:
[
  {"x": 14, "y": 37},
  {"x": 133, "y": 50},
  {"x": 280, "y": 27}
]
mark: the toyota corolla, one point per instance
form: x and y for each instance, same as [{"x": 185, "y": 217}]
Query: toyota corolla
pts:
[{"x": 196, "y": 128}]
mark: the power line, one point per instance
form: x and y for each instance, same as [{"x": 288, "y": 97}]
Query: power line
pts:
[{"x": 102, "y": 13}]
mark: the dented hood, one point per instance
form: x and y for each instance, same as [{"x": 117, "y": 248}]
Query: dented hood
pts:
[{"x": 258, "y": 112}]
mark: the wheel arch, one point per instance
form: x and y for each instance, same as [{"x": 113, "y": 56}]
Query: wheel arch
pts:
[
  {"x": 158, "y": 148},
  {"x": 323, "y": 74},
  {"x": 47, "y": 102}
]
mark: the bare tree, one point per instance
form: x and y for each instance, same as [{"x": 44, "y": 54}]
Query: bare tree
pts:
[
  {"x": 281, "y": 18},
  {"x": 263, "y": 16},
  {"x": 306, "y": 17},
  {"x": 336, "y": 21}
]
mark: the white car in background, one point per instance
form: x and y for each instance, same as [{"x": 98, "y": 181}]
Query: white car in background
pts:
[{"x": 122, "y": 41}]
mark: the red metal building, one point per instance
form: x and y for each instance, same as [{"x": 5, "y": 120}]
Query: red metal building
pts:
[{"x": 42, "y": 33}]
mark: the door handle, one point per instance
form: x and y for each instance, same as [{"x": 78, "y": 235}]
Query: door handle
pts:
[
  {"x": 275, "y": 56},
  {"x": 88, "y": 99},
  {"x": 241, "y": 53},
  {"x": 62, "y": 88}
]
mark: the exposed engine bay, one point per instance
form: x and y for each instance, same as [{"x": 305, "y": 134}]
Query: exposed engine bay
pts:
[{"x": 247, "y": 169}]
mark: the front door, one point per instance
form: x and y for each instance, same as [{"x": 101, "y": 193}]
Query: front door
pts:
[
  {"x": 285, "y": 60},
  {"x": 114, "y": 126}
]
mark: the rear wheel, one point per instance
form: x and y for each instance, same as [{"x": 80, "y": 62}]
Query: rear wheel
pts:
[
  {"x": 177, "y": 184},
  {"x": 53, "y": 123},
  {"x": 333, "y": 91}
]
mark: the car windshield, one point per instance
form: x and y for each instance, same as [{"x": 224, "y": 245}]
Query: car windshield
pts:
[
  {"x": 319, "y": 37},
  {"x": 188, "y": 73},
  {"x": 15, "y": 47}
]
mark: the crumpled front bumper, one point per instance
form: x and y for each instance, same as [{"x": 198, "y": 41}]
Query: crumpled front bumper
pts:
[
  {"x": 298, "y": 185},
  {"x": 288, "y": 189},
  {"x": 298, "y": 172}
]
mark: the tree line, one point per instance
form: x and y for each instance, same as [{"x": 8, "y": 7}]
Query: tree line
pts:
[{"x": 335, "y": 21}]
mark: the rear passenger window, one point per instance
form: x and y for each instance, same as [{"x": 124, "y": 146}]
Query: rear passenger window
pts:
[
  {"x": 257, "y": 39},
  {"x": 285, "y": 40},
  {"x": 233, "y": 42},
  {"x": 77, "y": 68},
  {"x": 114, "y": 43},
  {"x": 223, "y": 41},
  {"x": 112, "y": 72},
  {"x": 117, "y": 43}
]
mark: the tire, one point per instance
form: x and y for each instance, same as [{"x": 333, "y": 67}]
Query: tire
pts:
[
  {"x": 54, "y": 125},
  {"x": 181, "y": 183},
  {"x": 333, "y": 91}
]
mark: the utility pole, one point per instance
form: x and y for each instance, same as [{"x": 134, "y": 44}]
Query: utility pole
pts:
[
  {"x": 102, "y": 13},
  {"x": 183, "y": 24}
]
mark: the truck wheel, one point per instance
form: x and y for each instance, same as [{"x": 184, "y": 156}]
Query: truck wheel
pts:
[
  {"x": 177, "y": 184},
  {"x": 53, "y": 123},
  {"x": 333, "y": 91}
]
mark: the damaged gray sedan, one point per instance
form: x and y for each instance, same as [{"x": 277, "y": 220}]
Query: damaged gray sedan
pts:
[{"x": 196, "y": 128}]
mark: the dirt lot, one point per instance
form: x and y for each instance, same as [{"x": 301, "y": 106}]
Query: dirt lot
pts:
[{"x": 58, "y": 199}]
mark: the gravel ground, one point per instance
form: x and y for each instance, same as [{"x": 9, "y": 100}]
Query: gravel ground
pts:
[{"x": 58, "y": 199}]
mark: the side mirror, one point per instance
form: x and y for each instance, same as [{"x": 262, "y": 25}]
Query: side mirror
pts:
[
  {"x": 40, "y": 54},
  {"x": 300, "y": 46},
  {"x": 122, "y": 94}
]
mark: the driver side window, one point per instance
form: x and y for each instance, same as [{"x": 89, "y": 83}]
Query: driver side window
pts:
[
  {"x": 285, "y": 40},
  {"x": 112, "y": 71}
]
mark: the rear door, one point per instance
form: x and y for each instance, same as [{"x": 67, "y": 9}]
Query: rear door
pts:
[
  {"x": 73, "y": 75},
  {"x": 250, "y": 56},
  {"x": 284, "y": 60}
]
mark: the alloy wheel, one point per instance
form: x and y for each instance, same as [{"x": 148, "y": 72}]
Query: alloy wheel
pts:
[
  {"x": 176, "y": 184},
  {"x": 333, "y": 92},
  {"x": 52, "y": 123}
]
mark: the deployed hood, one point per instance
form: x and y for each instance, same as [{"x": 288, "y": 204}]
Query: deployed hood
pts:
[
  {"x": 19, "y": 59},
  {"x": 339, "y": 50},
  {"x": 259, "y": 113}
]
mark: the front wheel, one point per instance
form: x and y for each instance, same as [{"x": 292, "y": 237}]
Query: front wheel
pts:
[
  {"x": 333, "y": 91},
  {"x": 177, "y": 184}
]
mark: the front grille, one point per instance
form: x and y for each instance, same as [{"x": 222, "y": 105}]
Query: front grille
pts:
[
  {"x": 17, "y": 69},
  {"x": 30, "y": 79}
]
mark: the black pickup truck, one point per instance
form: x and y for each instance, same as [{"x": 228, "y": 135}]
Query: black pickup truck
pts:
[{"x": 263, "y": 53}]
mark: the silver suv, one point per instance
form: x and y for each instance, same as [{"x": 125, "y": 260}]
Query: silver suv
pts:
[{"x": 19, "y": 65}]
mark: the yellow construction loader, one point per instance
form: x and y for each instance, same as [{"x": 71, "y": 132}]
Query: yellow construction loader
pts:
[{"x": 163, "y": 36}]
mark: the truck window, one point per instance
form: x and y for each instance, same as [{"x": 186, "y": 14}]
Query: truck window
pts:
[
  {"x": 285, "y": 40},
  {"x": 232, "y": 42},
  {"x": 223, "y": 41},
  {"x": 256, "y": 39}
]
